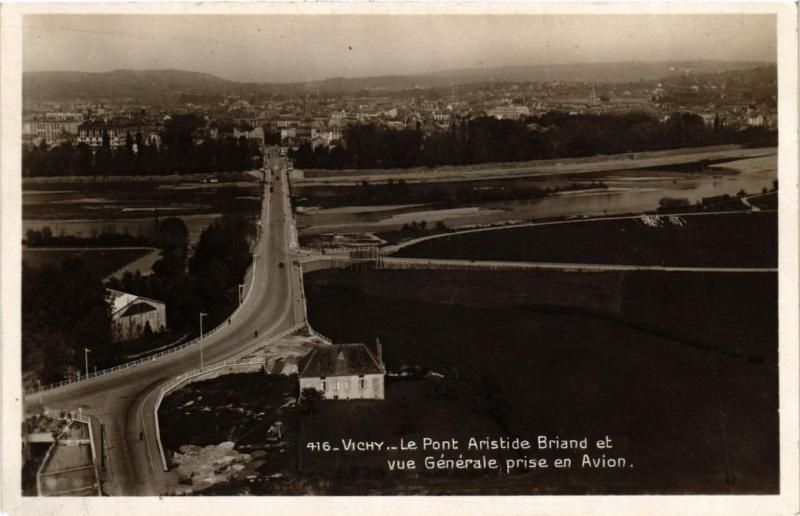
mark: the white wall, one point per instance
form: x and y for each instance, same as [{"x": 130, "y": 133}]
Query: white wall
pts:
[
  {"x": 133, "y": 326},
  {"x": 347, "y": 387}
]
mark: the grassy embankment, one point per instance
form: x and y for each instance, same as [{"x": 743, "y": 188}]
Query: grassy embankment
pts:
[
  {"x": 729, "y": 240},
  {"x": 678, "y": 368}
]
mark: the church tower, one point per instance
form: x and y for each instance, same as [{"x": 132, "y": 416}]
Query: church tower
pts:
[{"x": 592, "y": 96}]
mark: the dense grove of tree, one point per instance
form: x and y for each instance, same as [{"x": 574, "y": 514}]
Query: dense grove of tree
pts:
[
  {"x": 178, "y": 153},
  {"x": 64, "y": 308},
  {"x": 206, "y": 282},
  {"x": 554, "y": 135},
  {"x": 45, "y": 238}
]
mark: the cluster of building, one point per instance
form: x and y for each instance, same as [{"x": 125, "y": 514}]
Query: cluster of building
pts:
[
  {"x": 336, "y": 372},
  {"x": 321, "y": 119}
]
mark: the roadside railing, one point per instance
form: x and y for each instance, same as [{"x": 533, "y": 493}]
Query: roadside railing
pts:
[
  {"x": 287, "y": 209},
  {"x": 179, "y": 380},
  {"x": 185, "y": 377},
  {"x": 149, "y": 358},
  {"x": 127, "y": 365}
]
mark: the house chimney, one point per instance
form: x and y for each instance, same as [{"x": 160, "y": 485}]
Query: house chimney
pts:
[{"x": 378, "y": 351}]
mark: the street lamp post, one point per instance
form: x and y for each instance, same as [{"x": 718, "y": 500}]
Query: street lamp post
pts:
[
  {"x": 202, "y": 314},
  {"x": 86, "y": 352},
  {"x": 41, "y": 396}
]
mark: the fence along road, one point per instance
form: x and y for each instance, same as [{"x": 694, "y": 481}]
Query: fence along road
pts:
[{"x": 117, "y": 399}]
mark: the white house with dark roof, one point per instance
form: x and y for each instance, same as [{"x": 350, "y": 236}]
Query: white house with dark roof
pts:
[
  {"x": 130, "y": 314},
  {"x": 343, "y": 372}
]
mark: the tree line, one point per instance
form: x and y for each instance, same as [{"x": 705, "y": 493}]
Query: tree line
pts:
[
  {"x": 64, "y": 310},
  {"x": 178, "y": 153},
  {"x": 45, "y": 238},
  {"x": 552, "y": 135},
  {"x": 65, "y": 307}
]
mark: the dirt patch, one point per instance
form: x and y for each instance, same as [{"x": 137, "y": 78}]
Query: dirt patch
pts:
[
  {"x": 281, "y": 356},
  {"x": 202, "y": 467},
  {"x": 241, "y": 411}
]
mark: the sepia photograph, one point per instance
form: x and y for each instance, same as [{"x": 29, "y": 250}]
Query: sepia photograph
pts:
[{"x": 430, "y": 254}]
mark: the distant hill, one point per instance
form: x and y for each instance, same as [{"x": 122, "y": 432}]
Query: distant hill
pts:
[
  {"x": 766, "y": 76},
  {"x": 625, "y": 72},
  {"x": 120, "y": 84},
  {"x": 149, "y": 85}
]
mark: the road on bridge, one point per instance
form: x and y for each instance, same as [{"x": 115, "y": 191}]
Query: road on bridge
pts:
[{"x": 123, "y": 401}]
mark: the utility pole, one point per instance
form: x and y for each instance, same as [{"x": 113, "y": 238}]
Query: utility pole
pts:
[
  {"x": 41, "y": 396},
  {"x": 86, "y": 352},
  {"x": 202, "y": 314}
]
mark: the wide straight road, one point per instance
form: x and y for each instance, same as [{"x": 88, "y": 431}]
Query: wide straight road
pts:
[{"x": 123, "y": 401}]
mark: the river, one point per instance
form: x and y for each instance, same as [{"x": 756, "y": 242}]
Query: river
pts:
[{"x": 627, "y": 191}]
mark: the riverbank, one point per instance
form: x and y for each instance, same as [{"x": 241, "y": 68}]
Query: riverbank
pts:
[
  {"x": 739, "y": 239},
  {"x": 631, "y": 191},
  {"x": 530, "y": 168}
]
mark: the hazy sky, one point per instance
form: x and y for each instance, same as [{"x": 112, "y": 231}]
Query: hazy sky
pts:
[{"x": 295, "y": 48}]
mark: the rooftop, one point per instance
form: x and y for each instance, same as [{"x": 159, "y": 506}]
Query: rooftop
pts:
[
  {"x": 138, "y": 308},
  {"x": 339, "y": 360}
]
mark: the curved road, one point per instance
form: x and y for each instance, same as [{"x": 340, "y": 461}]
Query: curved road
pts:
[{"x": 123, "y": 401}]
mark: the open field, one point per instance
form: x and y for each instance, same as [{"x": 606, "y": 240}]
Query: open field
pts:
[
  {"x": 721, "y": 240},
  {"x": 672, "y": 366},
  {"x": 105, "y": 261},
  {"x": 678, "y": 369}
]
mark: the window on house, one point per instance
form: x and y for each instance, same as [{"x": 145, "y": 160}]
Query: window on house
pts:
[
  {"x": 324, "y": 385},
  {"x": 362, "y": 383}
]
